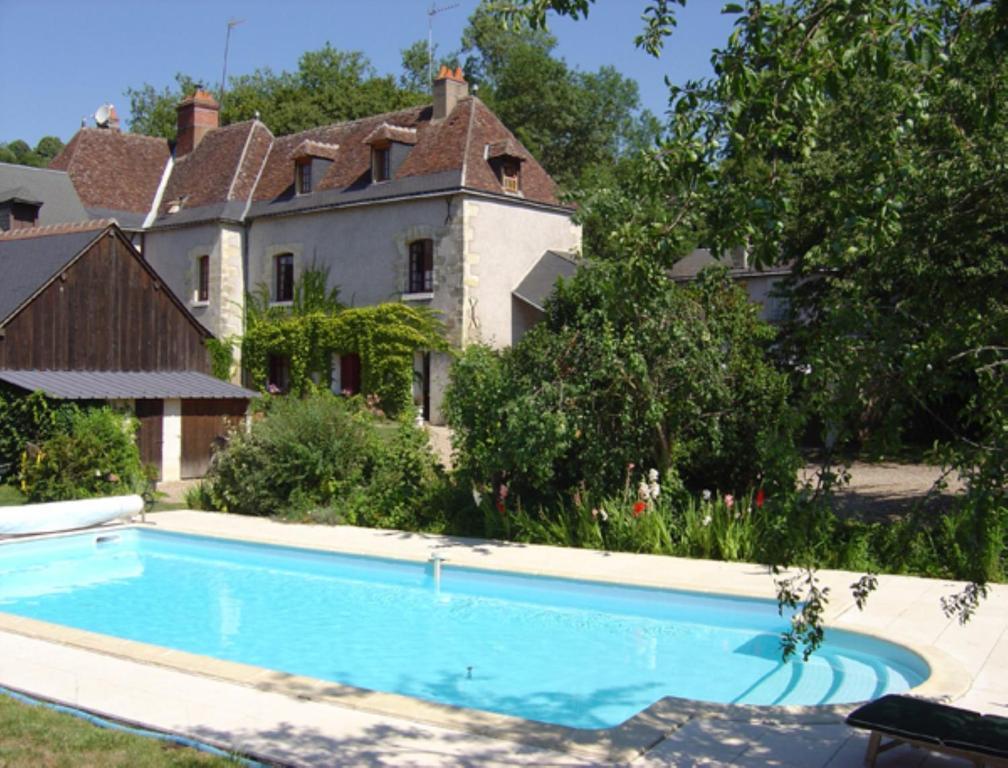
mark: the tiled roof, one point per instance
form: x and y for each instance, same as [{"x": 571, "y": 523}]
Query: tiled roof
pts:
[
  {"x": 30, "y": 233},
  {"x": 386, "y": 132},
  {"x": 244, "y": 165},
  {"x": 114, "y": 171},
  {"x": 309, "y": 148},
  {"x": 122, "y": 385},
  {"x": 222, "y": 167},
  {"x": 536, "y": 184},
  {"x": 505, "y": 148}
]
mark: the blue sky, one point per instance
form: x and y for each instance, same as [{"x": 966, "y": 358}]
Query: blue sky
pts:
[{"x": 64, "y": 58}]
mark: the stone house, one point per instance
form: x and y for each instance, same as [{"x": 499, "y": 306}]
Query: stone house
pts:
[{"x": 437, "y": 205}]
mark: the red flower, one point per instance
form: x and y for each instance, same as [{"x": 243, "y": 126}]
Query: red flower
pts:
[
  {"x": 500, "y": 506},
  {"x": 638, "y": 508},
  {"x": 760, "y": 498}
]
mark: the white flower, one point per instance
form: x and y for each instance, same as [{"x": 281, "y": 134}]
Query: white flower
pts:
[
  {"x": 654, "y": 489},
  {"x": 603, "y": 514},
  {"x": 707, "y": 520},
  {"x": 652, "y": 475},
  {"x": 643, "y": 492},
  {"x": 477, "y": 497},
  {"x": 706, "y": 495}
]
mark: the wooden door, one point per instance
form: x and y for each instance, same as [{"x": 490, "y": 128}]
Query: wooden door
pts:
[
  {"x": 150, "y": 413},
  {"x": 205, "y": 423}
]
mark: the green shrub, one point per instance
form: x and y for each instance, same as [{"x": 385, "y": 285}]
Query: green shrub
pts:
[
  {"x": 663, "y": 376},
  {"x": 322, "y": 458},
  {"x": 96, "y": 456},
  {"x": 30, "y": 418}
]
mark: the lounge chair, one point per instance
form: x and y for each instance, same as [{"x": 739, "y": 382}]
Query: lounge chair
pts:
[{"x": 982, "y": 739}]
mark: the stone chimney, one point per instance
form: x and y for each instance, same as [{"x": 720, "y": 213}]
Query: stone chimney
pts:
[
  {"x": 197, "y": 116},
  {"x": 449, "y": 87}
]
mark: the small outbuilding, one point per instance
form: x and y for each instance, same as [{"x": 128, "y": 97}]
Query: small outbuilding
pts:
[{"x": 84, "y": 317}]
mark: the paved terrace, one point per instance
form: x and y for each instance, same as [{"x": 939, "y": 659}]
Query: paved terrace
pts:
[{"x": 304, "y": 722}]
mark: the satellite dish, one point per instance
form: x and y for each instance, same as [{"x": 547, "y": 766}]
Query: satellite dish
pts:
[{"x": 102, "y": 114}]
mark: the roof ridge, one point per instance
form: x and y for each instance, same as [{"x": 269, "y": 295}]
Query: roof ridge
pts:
[
  {"x": 358, "y": 120},
  {"x": 262, "y": 166},
  {"x": 241, "y": 160},
  {"x": 89, "y": 131},
  {"x": 66, "y": 228}
]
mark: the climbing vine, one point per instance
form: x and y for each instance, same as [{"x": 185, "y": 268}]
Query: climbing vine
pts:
[
  {"x": 221, "y": 357},
  {"x": 384, "y": 336}
]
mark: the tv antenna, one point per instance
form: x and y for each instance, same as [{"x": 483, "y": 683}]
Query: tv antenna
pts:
[
  {"x": 434, "y": 10},
  {"x": 232, "y": 23}
]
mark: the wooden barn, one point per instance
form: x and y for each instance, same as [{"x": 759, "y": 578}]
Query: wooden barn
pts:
[{"x": 83, "y": 317}]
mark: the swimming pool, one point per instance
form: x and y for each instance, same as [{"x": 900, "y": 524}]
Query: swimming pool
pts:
[{"x": 575, "y": 653}]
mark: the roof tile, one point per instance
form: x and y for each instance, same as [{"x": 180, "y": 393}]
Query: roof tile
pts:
[{"x": 112, "y": 170}]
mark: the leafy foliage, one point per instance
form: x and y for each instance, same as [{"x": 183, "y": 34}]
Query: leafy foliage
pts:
[
  {"x": 329, "y": 86},
  {"x": 25, "y": 419},
  {"x": 385, "y": 336},
  {"x": 628, "y": 368},
  {"x": 18, "y": 152},
  {"x": 573, "y": 122},
  {"x": 324, "y": 458},
  {"x": 221, "y": 357},
  {"x": 96, "y": 456},
  {"x": 863, "y": 144}
]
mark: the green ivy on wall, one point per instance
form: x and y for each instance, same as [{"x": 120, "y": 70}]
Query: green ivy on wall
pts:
[
  {"x": 384, "y": 336},
  {"x": 221, "y": 357}
]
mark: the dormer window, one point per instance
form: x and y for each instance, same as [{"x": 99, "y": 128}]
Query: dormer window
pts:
[
  {"x": 390, "y": 144},
  {"x": 509, "y": 175},
  {"x": 303, "y": 176},
  {"x": 311, "y": 161},
  {"x": 505, "y": 158},
  {"x": 380, "y": 170}
]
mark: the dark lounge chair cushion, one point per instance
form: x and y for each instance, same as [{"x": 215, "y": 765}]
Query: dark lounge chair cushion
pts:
[
  {"x": 988, "y": 736},
  {"x": 917, "y": 719}
]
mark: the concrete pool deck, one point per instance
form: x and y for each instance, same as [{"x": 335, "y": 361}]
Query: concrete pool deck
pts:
[{"x": 306, "y": 722}]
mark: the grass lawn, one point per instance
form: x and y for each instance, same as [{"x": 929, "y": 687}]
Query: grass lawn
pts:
[
  {"x": 41, "y": 738},
  {"x": 10, "y": 496}
]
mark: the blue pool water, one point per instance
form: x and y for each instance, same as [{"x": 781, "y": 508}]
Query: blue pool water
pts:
[{"x": 575, "y": 653}]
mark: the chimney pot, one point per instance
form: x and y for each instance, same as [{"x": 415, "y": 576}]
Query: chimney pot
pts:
[{"x": 197, "y": 116}]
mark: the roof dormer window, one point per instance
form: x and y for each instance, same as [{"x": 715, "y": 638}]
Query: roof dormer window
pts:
[
  {"x": 311, "y": 161},
  {"x": 509, "y": 175},
  {"x": 390, "y": 144},
  {"x": 380, "y": 170},
  {"x": 302, "y": 172},
  {"x": 505, "y": 158}
]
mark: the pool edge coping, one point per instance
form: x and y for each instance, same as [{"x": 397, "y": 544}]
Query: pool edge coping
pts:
[{"x": 948, "y": 680}]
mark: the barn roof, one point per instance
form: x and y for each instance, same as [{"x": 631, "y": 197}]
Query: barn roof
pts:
[{"x": 125, "y": 385}]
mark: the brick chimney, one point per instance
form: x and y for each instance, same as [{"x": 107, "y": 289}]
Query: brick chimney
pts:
[
  {"x": 197, "y": 116},
  {"x": 113, "y": 119},
  {"x": 449, "y": 87}
]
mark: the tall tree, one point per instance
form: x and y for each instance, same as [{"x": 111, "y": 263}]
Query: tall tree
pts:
[
  {"x": 152, "y": 112},
  {"x": 864, "y": 143},
  {"x": 329, "y": 86},
  {"x": 571, "y": 121}
]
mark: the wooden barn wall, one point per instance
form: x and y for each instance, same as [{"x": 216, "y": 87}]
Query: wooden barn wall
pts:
[{"x": 105, "y": 313}]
